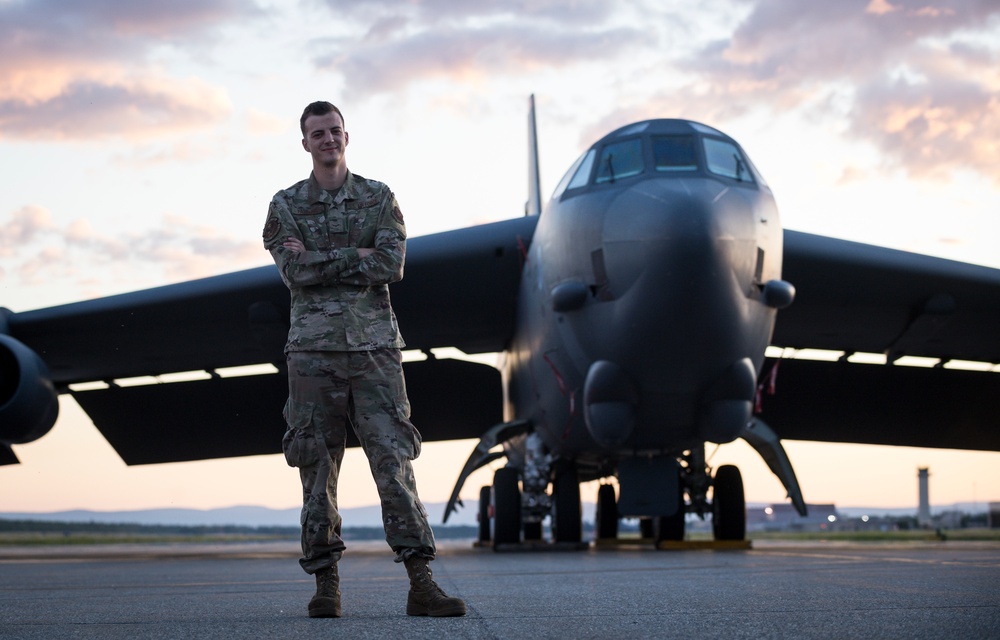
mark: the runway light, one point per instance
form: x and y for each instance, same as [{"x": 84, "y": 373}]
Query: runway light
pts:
[
  {"x": 832, "y": 518},
  {"x": 768, "y": 511},
  {"x": 864, "y": 518}
]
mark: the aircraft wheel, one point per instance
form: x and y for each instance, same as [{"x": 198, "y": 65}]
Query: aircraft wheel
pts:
[
  {"x": 729, "y": 509},
  {"x": 506, "y": 507},
  {"x": 532, "y": 531},
  {"x": 607, "y": 513},
  {"x": 567, "y": 525},
  {"x": 484, "y": 514},
  {"x": 672, "y": 527}
]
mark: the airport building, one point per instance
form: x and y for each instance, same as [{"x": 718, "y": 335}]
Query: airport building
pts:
[{"x": 993, "y": 516}]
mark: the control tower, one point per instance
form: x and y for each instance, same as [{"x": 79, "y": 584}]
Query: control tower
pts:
[{"x": 924, "y": 510}]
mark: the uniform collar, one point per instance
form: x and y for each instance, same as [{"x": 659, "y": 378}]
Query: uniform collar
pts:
[{"x": 347, "y": 191}]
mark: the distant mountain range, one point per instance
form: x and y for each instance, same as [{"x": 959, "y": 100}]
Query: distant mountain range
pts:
[
  {"x": 246, "y": 516},
  {"x": 249, "y": 516},
  {"x": 370, "y": 516}
]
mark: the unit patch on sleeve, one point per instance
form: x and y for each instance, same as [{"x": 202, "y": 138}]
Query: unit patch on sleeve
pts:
[{"x": 271, "y": 229}]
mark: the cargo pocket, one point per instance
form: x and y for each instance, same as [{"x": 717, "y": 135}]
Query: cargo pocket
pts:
[
  {"x": 299, "y": 442},
  {"x": 410, "y": 438}
]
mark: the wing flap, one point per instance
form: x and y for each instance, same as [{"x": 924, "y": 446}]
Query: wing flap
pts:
[
  {"x": 242, "y": 416},
  {"x": 884, "y": 404},
  {"x": 855, "y": 297},
  {"x": 460, "y": 287}
]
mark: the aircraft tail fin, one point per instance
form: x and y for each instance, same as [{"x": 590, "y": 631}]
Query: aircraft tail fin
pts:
[{"x": 534, "y": 205}]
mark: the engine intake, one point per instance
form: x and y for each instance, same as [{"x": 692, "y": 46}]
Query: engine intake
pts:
[{"x": 29, "y": 404}]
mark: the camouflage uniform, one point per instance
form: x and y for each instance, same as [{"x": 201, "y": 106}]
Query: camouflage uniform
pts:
[{"x": 343, "y": 359}]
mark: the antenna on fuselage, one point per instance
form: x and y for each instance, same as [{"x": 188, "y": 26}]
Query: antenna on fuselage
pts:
[{"x": 534, "y": 205}]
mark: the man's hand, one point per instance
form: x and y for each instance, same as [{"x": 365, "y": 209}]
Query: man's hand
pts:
[{"x": 295, "y": 245}]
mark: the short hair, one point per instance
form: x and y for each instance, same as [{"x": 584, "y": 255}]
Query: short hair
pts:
[{"x": 320, "y": 108}]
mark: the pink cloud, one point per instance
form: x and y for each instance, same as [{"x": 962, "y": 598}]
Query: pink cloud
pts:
[
  {"x": 93, "y": 57},
  {"x": 917, "y": 82},
  {"x": 35, "y": 249},
  {"x": 470, "y": 54},
  {"x": 134, "y": 110}
]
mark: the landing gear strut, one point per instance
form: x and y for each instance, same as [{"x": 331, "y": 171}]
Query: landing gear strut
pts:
[{"x": 672, "y": 527}]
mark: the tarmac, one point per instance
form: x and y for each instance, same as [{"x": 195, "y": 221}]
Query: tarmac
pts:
[{"x": 772, "y": 590}]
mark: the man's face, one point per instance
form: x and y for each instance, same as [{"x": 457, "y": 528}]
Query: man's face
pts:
[{"x": 325, "y": 139}]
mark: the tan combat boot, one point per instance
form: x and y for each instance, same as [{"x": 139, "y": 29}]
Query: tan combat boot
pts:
[
  {"x": 426, "y": 598},
  {"x": 326, "y": 602}
]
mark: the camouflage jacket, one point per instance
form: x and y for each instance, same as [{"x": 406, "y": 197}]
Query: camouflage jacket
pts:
[{"x": 339, "y": 301}]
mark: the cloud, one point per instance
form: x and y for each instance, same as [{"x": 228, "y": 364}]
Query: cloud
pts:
[
  {"x": 25, "y": 225},
  {"x": 97, "y": 58},
  {"x": 919, "y": 82},
  {"x": 471, "y": 55},
  {"x": 131, "y": 109},
  {"x": 932, "y": 128},
  {"x": 432, "y": 12},
  {"x": 36, "y": 250},
  {"x": 261, "y": 123},
  {"x": 404, "y": 42}
]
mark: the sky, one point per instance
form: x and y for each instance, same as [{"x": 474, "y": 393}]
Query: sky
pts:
[{"x": 141, "y": 141}]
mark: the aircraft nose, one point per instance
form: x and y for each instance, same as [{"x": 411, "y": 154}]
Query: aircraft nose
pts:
[
  {"x": 679, "y": 261},
  {"x": 672, "y": 236}
]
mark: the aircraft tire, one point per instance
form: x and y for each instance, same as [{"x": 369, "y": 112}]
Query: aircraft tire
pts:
[
  {"x": 607, "y": 513},
  {"x": 485, "y": 493},
  {"x": 506, "y": 507},
  {"x": 729, "y": 510},
  {"x": 567, "y": 521}
]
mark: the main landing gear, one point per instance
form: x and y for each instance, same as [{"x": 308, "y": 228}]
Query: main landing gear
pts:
[
  {"x": 728, "y": 508},
  {"x": 515, "y": 521}
]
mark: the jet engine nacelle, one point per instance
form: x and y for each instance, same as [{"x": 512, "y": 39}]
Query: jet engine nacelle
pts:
[{"x": 29, "y": 403}]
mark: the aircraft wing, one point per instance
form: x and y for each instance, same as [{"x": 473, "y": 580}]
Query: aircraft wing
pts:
[
  {"x": 859, "y": 298},
  {"x": 459, "y": 289}
]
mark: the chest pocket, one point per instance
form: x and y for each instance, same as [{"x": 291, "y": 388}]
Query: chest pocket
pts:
[
  {"x": 337, "y": 228},
  {"x": 362, "y": 217},
  {"x": 322, "y": 229}
]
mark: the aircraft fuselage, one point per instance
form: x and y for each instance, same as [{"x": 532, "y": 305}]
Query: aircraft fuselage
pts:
[{"x": 642, "y": 321}]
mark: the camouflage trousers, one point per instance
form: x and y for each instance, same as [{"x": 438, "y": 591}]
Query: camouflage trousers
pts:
[{"x": 327, "y": 391}]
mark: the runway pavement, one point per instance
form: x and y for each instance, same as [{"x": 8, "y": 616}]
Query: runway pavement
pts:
[{"x": 775, "y": 590}]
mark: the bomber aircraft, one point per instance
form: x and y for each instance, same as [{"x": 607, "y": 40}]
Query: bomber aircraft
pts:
[{"x": 640, "y": 315}]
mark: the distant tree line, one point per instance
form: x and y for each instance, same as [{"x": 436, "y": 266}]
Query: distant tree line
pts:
[{"x": 106, "y": 528}]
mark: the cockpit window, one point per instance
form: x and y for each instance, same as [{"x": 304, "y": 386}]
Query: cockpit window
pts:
[
  {"x": 620, "y": 160},
  {"x": 725, "y": 159},
  {"x": 572, "y": 172},
  {"x": 674, "y": 153},
  {"x": 583, "y": 173}
]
